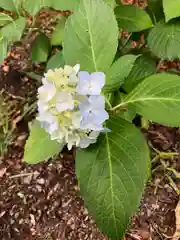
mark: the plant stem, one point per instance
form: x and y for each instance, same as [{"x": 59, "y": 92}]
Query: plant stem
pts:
[
  {"x": 108, "y": 103},
  {"x": 117, "y": 106},
  {"x": 34, "y": 76},
  {"x": 126, "y": 42},
  {"x": 159, "y": 65}
]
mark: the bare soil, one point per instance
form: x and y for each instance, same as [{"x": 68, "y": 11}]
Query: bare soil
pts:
[{"x": 43, "y": 201}]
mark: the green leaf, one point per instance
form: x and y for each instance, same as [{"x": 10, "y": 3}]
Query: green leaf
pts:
[
  {"x": 58, "y": 33},
  {"x": 157, "y": 98},
  {"x": 132, "y": 19},
  {"x": 73, "y": 4},
  {"x": 112, "y": 175},
  {"x": 56, "y": 61},
  {"x": 18, "y": 5},
  {"x": 65, "y": 5},
  {"x": 171, "y": 9},
  {"x": 156, "y": 9},
  {"x": 87, "y": 40},
  {"x": 143, "y": 67},
  {"x": 8, "y": 5},
  {"x": 127, "y": 113},
  {"x": 119, "y": 70},
  {"x": 40, "y": 48},
  {"x": 3, "y": 49},
  {"x": 34, "y": 6},
  {"x": 163, "y": 40},
  {"x": 39, "y": 147},
  {"x": 14, "y": 30},
  {"x": 4, "y": 19},
  {"x": 111, "y": 3}
]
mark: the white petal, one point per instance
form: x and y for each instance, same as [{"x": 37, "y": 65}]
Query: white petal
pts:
[
  {"x": 73, "y": 79},
  {"x": 64, "y": 101},
  {"x": 47, "y": 92},
  {"x": 68, "y": 70},
  {"x": 44, "y": 80},
  {"x": 76, "y": 68},
  {"x": 45, "y": 117},
  {"x": 42, "y": 106},
  {"x": 76, "y": 119},
  {"x": 53, "y": 127},
  {"x": 94, "y": 134},
  {"x": 73, "y": 140},
  {"x": 87, "y": 140}
]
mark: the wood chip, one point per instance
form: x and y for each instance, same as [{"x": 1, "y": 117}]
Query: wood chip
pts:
[
  {"x": 2, "y": 172},
  {"x": 177, "y": 213}
]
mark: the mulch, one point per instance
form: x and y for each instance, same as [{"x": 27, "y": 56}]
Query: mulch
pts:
[{"x": 43, "y": 201}]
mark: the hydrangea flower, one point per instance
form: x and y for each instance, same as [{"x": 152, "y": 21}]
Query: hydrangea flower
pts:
[
  {"x": 70, "y": 107},
  {"x": 86, "y": 140},
  {"x": 93, "y": 113},
  {"x": 64, "y": 101},
  {"x": 90, "y": 84}
]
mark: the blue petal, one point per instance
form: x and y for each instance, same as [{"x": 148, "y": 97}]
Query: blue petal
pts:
[
  {"x": 97, "y": 101},
  {"x": 98, "y": 77},
  {"x": 83, "y": 83}
]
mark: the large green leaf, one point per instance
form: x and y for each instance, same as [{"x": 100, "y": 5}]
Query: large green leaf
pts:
[
  {"x": 4, "y": 19},
  {"x": 3, "y": 49},
  {"x": 58, "y": 33},
  {"x": 111, "y": 3},
  {"x": 56, "y": 61},
  {"x": 34, "y": 6},
  {"x": 171, "y": 9},
  {"x": 14, "y": 30},
  {"x": 163, "y": 40},
  {"x": 112, "y": 176},
  {"x": 39, "y": 146},
  {"x": 73, "y": 4},
  {"x": 144, "y": 66},
  {"x": 40, "y": 49},
  {"x": 18, "y": 5},
  {"x": 118, "y": 72},
  {"x": 65, "y": 4},
  {"x": 7, "y": 5},
  {"x": 157, "y": 98},
  {"x": 87, "y": 40},
  {"x": 132, "y": 19}
]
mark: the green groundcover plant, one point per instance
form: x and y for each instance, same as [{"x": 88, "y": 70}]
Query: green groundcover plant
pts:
[{"x": 95, "y": 87}]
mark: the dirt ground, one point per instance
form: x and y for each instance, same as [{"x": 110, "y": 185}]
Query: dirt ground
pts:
[{"x": 43, "y": 201}]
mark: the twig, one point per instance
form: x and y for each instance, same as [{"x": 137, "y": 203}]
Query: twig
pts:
[
  {"x": 126, "y": 42},
  {"x": 176, "y": 235},
  {"x": 22, "y": 175},
  {"x": 134, "y": 236},
  {"x": 159, "y": 65}
]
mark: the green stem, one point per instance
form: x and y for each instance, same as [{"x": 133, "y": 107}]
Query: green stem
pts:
[
  {"x": 34, "y": 76},
  {"x": 167, "y": 155},
  {"x": 126, "y": 42},
  {"x": 154, "y": 18},
  {"x": 108, "y": 103},
  {"x": 117, "y": 106}
]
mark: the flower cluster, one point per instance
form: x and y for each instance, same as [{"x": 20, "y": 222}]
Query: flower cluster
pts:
[{"x": 70, "y": 106}]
